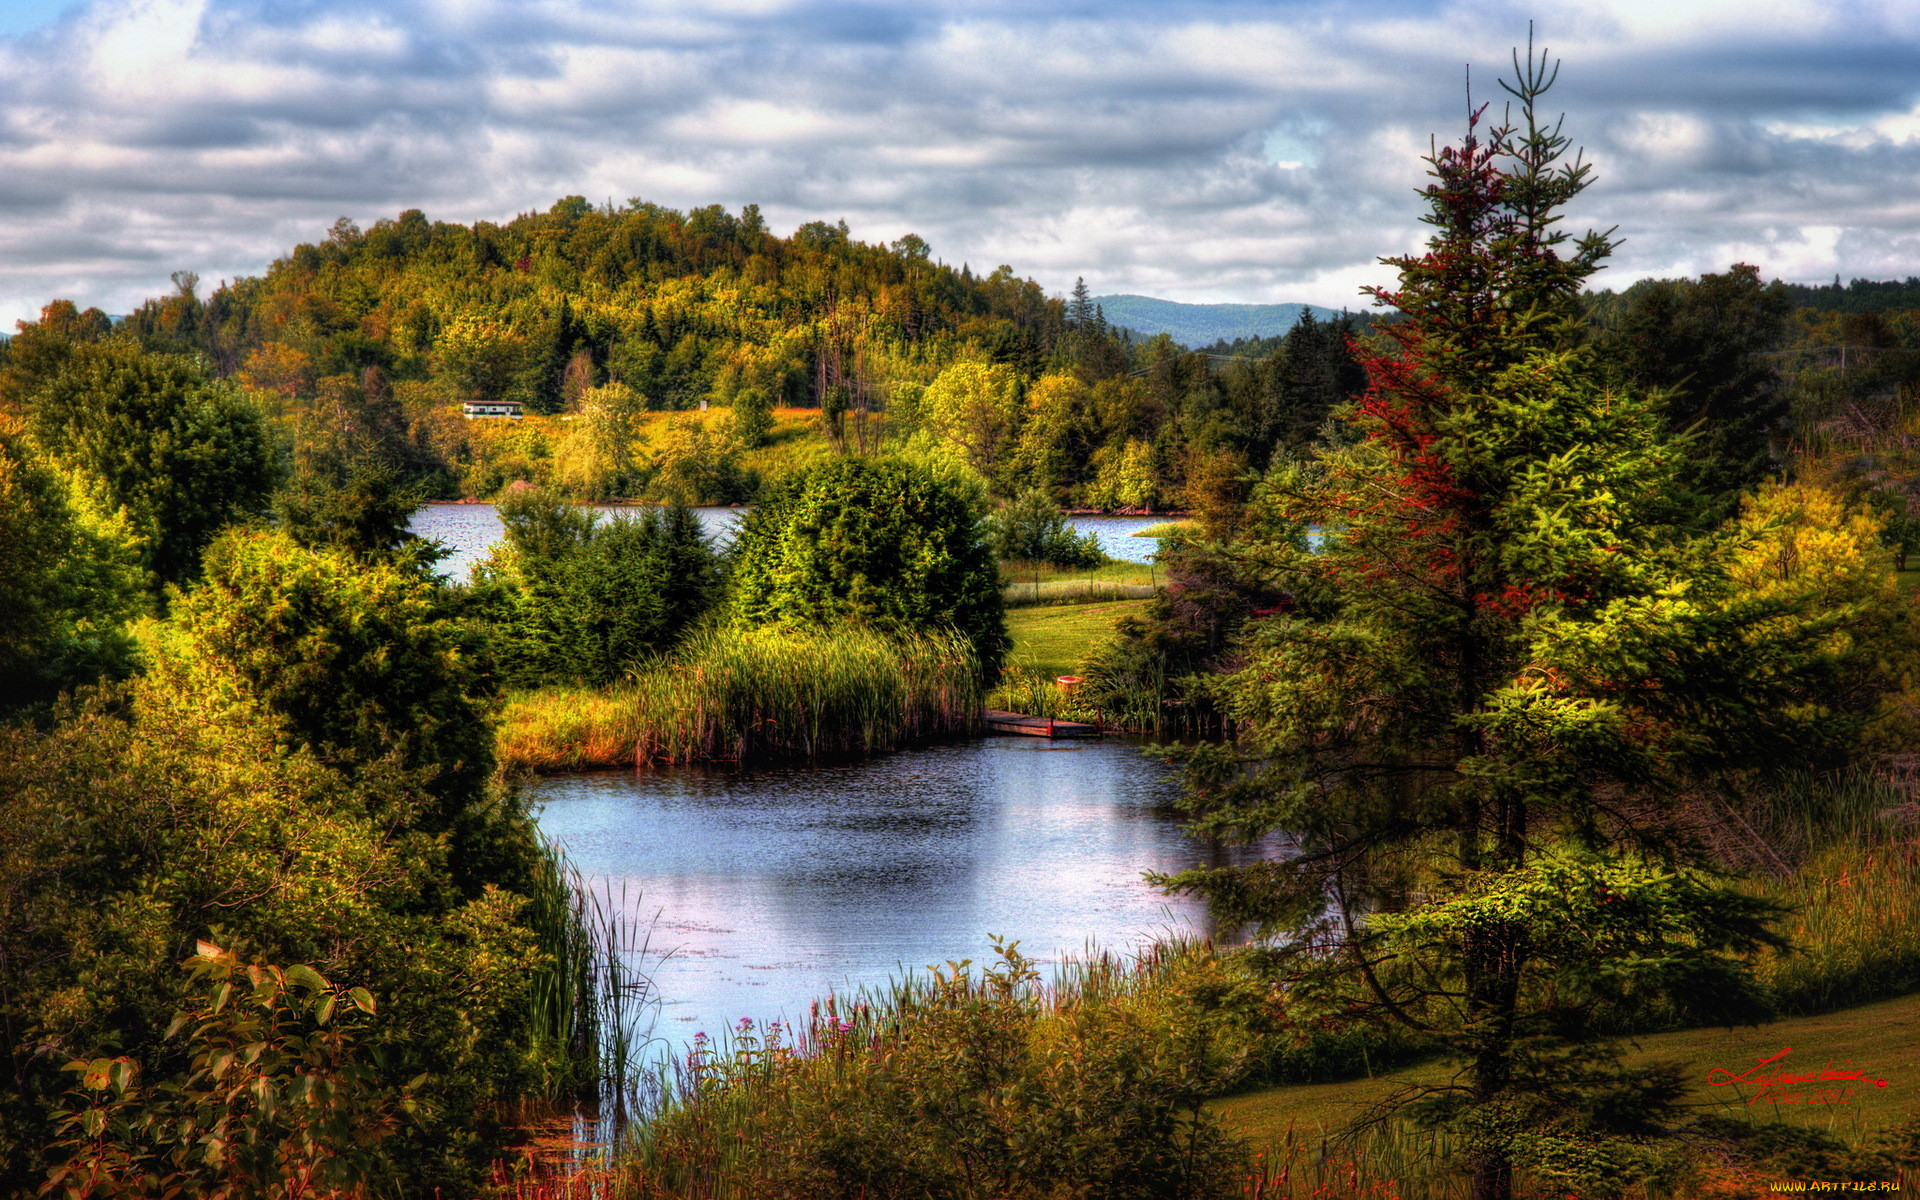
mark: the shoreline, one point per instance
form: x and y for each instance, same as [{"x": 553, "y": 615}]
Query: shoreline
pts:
[{"x": 617, "y": 502}]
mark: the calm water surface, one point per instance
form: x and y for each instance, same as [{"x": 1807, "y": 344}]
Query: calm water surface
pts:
[
  {"x": 766, "y": 889},
  {"x": 470, "y": 530}
]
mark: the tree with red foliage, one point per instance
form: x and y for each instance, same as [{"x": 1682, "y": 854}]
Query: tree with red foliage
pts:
[{"x": 1514, "y": 648}]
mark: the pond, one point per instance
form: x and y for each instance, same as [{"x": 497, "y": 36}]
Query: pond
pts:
[
  {"x": 763, "y": 890},
  {"x": 470, "y": 530}
]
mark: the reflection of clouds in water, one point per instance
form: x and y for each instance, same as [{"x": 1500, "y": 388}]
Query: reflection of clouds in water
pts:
[{"x": 775, "y": 886}]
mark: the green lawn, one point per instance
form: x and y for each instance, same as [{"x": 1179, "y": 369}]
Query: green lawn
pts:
[
  {"x": 1882, "y": 1040},
  {"x": 1052, "y": 640},
  {"x": 1114, "y": 571}
]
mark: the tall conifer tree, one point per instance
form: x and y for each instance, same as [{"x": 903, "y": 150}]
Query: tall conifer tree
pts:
[{"x": 1512, "y": 651}]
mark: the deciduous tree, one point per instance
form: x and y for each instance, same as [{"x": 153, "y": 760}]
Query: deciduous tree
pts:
[
  {"x": 883, "y": 542},
  {"x": 182, "y": 455}
]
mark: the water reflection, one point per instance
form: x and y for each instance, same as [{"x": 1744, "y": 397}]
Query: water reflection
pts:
[
  {"x": 470, "y": 530},
  {"x": 771, "y": 887}
]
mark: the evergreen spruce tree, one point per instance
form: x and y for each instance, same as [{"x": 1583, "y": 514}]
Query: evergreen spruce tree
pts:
[
  {"x": 1512, "y": 653},
  {"x": 1080, "y": 310}
]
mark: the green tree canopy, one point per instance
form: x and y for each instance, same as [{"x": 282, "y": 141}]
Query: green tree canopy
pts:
[
  {"x": 883, "y": 542},
  {"x": 67, "y": 584},
  {"x": 571, "y": 597},
  {"x": 361, "y": 663},
  {"x": 1701, "y": 344},
  {"x": 180, "y": 454}
]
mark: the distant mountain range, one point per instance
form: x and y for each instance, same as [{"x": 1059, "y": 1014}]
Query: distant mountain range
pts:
[{"x": 1204, "y": 324}]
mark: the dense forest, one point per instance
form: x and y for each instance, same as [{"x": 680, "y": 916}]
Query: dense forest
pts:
[
  {"x": 696, "y": 356},
  {"x": 603, "y": 323}
]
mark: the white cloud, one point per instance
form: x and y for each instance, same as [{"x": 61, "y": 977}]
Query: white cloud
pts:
[{"x": 1201, "y": 151}]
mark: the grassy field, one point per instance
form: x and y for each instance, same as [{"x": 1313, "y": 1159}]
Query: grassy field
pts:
[
  {"x": 1052, "y": 640},
  {"x": 1882, "y": 1040},
  {"x": 1016, "y": 574}
]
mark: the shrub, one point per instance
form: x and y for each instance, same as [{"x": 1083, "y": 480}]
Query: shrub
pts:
[
  {"x": 969, "y": 1086},
  {"x": 309, "y": 758},
  {"x": 269, "y": 1093},
  {"x": 1031, "y": 528}
]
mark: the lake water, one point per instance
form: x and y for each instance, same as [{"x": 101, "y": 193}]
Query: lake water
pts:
[
  {"x": 470, "y": 530},
  {"x": 760, "y": 891},
  {"x": 765, "y": 889}
]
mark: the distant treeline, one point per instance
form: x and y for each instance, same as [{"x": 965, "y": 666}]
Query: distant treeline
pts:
[{"x": 1860, "y": 296}]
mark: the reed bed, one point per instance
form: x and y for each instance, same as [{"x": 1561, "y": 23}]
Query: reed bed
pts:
[
  {"x": 1842, "y": 854},
  {"x": 781, "y": 694},
  {"x": 1387, "y": 1160},
  {"x": 567, "y": 729},
  {"x": 1855, "y": 926}
]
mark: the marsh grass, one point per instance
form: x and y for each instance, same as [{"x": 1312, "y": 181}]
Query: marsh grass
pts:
[
  {"x": 1390, "y": 1160},
  {"x": 772, "y": 694},
  {"x": 1853, "y": 849},
  {"x": 568, "y": 729},
  {"x": 731, "y": 695}
]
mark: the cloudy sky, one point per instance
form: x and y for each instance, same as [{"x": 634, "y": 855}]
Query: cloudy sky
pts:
[{"x": 1197, "y": 151}]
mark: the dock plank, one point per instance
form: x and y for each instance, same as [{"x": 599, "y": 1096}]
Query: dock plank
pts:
[{"x": 1020, "y": 724}]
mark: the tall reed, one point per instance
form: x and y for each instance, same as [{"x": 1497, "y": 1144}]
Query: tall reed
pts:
[
  {"x": 1842, "y": 853},
  {"x": 588, "y": 998},
  {"x": 1855, "y": 926},
  {"x": 768, "y": 694}
]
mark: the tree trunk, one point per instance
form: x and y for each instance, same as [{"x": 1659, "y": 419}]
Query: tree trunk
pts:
[{"x": 1493, "y": 988}]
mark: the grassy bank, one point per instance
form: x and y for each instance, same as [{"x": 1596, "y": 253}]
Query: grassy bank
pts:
[
  {"x": 1027, "y": 584},
  {"x": 1296, "y": 1128},
  {"x": 577, "y": 728},
  {"x": 757, "y": 696}
]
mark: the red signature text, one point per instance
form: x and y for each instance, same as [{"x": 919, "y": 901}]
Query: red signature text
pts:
[{"x": 1836, "y": 1084}]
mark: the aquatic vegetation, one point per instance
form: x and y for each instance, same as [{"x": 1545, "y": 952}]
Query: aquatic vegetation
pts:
[{"x": 782, "y": 693}]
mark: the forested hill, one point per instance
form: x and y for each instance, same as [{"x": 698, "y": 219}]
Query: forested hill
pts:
[
  {"x": 661, "y": 354},
  {"x": 1205, "y": 324},
  {"x": 681, "y": 307}
]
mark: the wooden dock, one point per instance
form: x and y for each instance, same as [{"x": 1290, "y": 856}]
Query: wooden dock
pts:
[{"x": 1046, "y": 727}]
